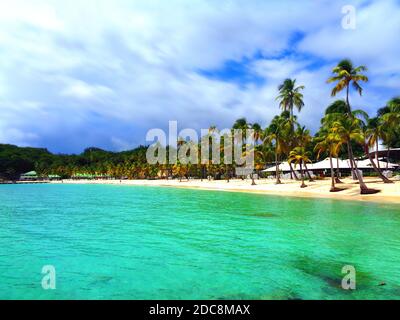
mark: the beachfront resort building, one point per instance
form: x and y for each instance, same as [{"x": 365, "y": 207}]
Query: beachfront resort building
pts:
[
  {"x": 323, "y": 167},
  {"x": 29, "y": 176}
]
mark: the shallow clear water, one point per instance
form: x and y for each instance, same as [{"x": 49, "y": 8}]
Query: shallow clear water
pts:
[{"x": 124, "y": 242}]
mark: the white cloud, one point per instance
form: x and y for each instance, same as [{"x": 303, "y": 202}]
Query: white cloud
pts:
[{"x": 81, "y": 90}]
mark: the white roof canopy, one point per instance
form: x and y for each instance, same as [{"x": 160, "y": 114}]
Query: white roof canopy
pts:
[{"x": 325, "y": 165}]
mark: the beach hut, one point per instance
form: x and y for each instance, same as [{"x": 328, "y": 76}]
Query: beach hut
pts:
[
  {"x": 83, "y": 176},
  {"x": 29, "y": 176},
  {"x": 344, "y": 165},
  {"x": 366, "y": 164},
  {"x": 282, "y": 167},
  {"x": 54, "y": 177}
]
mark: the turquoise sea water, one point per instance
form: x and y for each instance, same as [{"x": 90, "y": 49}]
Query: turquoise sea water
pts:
[{"x": 124, "y": 242}]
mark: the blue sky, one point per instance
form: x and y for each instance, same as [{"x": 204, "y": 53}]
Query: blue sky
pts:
[{"x": 75, "y": 74}]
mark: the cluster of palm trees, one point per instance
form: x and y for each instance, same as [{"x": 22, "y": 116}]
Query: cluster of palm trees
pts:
[
  {"x": 344, "y": 132},
  {"x": 342, "y": 128}
]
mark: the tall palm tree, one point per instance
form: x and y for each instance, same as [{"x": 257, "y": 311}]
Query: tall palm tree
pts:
[
  {"x": 290, "y": 96},
  {"x": 345, "y": 74},
  {"x": 300, "y": 156},
  {"x": 348, "y": 129}
]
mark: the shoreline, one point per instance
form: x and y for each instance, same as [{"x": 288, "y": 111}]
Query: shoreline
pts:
[{"x": 390, "y": 193}]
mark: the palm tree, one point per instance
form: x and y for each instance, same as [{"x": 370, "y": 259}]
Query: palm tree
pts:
[
  {"x": 348, "y": 129},
  {"x": 300, "y": 156},
  {"x": 331, "y": 144},
  {"x": 345, "y": 74},
  {"x": 372, "y": 130},
  {"x": 375, "y": 131},
  {"x": 180, "y": 170},
  {"x": 337, "y": 107},
  {"x": 303, "y": 138},
  {"x": 225, "y": 168},
  {"x": 290, "y": 96},
  {"x": 276, "y": 133},
  {"x": 334, "y": 112},
  {"x": 257, "y": 155},
  {"x": 241, "y": 124},
  {"x": 258, "y": 132},
  {"x": 391, "y": 118}
]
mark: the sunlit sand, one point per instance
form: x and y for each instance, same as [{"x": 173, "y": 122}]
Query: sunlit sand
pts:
[{"x": 318, "y": 188}]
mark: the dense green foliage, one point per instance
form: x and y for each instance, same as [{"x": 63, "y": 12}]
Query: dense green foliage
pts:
[{"x": 16, "y": 160}]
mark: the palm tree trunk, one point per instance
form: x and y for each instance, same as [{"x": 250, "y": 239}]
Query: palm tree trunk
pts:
[
  {"x": 363, "y": 187},
  {"x": 253, "y": 183},
  {"x": 337, "y": 179},
  {"x": 278, "y": 180},
  {"x": 377, "y": 169},
  {"x": 308, "y": 173},
  {"x": 293, "y": 173},
  {"x": 387, "y": 158},
  {"x": 333, "y": 187},
  {"x": 303, "y": 185},
  {"x": 347, "y": 99},
  {"x": 350, "y": 152},
  {"x": 376, "y": 155}
]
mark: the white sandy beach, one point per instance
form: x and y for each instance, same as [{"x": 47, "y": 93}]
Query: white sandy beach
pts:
[{"x": 320, "y": 188}]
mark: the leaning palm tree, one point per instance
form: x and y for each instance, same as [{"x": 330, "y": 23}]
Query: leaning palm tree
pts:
[
  {"x": 348, "y": 129},
  {"x": 345, "y": 74},
  {"x": 375, "y": 130},
  {"x": 300, "y": 156},
  {"x": 290, "y": 96}
]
